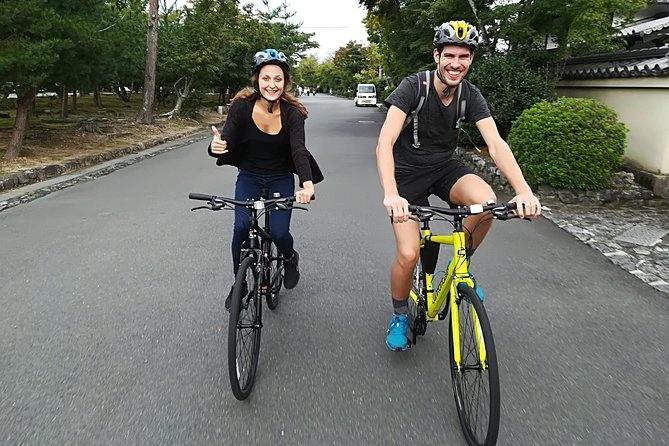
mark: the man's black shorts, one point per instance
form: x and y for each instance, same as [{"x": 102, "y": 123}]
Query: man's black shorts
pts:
[{"x": 416, "y": 186}]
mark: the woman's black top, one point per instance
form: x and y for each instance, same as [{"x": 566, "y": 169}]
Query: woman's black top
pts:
[
  {"x": 256, "y": 151},
  {"x": 265, "y": 153}
]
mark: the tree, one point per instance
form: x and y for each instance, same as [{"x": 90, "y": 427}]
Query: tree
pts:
[
  {"x": 577, "y": 27},
  {"x": 347, "y": 65},
  {"x": 123, "y": 55},
  {"x": 307, "y": 73},
  {"x": 35, "y": 36},
  {"x": 195, "y": 49},
  {"x": 145, "y": 115},
  {"x": 403, "y": 29},
  {"x": 287, "y": 36}
]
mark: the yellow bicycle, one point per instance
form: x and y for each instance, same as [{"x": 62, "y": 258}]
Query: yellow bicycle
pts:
[{"x": 473, "y": 360}]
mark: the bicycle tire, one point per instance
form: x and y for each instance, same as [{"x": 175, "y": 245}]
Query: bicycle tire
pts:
[
  {"x": 244, "y": 330},
  {"x": 275, "y": 278},
  {"x": 476, "y": 389}
]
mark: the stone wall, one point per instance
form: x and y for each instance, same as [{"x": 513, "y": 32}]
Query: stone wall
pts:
[
  {"x": 624, "y": 190},
  {"x": 36, "y": 175}
]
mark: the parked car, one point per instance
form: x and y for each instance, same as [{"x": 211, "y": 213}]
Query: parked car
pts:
[{"x": 365, "y": 94}]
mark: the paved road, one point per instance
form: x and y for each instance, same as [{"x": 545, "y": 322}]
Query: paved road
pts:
[{"x": 112, "y": 329}]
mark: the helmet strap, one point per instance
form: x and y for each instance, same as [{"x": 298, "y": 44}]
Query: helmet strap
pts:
[
  {"x": 446, "y": 91},
  {"x": 270, "y": 107}
]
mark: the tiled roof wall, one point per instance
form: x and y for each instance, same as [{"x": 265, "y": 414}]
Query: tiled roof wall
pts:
[
  {"x": 636, "y": 63},
  {"x": 646, "y": 27}
]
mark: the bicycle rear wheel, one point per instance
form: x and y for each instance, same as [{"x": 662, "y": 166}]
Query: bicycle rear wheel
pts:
[
  {"x": 275, "y": 278},
  {"x": 244, "y": 330},
  {"x": 476, "y": 380}
]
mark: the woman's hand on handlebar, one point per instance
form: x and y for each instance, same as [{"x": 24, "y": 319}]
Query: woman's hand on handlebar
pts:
[
  {"x": 304, "y": 196},
  {"x": 218, "y": 146}
]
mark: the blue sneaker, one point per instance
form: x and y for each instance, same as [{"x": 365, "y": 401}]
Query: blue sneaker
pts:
[
  {"x": 397, "y": 333},
  {"x": 477, "y": 288}
]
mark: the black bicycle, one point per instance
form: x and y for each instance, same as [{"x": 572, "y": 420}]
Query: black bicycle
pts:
[{"x": 260, "y": 275}]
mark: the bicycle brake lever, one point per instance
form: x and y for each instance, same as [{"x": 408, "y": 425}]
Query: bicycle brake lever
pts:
[
  {"x": 301, "y": 208},
  {"x": 210, "y": 207}
]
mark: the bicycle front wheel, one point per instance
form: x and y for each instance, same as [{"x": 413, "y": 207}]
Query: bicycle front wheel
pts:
[
  {"x": 244, "y": 330},
  {"x": 476, "y": 379}
]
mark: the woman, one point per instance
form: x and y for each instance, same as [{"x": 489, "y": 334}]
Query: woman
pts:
[{"x": 263, "y": 137}]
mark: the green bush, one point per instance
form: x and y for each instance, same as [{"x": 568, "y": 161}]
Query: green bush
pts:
[
  {"x": 192, "y": 104},
  {"x": 383, "y": 94},
  {"x": 570, "y": 143},
  {"x": 510, "y": 86}
]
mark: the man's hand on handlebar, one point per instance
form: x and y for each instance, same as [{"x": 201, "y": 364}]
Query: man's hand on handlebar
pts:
[
  {"x": 397, "y": 208},
  {"x": 528, "y": 205}
]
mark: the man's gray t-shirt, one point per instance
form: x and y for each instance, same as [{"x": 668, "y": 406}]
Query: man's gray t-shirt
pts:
[{"x": 437, "y": 134}]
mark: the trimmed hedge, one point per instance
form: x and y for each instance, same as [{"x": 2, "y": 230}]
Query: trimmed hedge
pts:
[
  {"x": 570, "y": 143},
  {"x": 510, "y": 86}
]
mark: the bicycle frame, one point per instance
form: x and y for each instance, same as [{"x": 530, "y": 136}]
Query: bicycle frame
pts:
[
  {"x": 260, "y": 251},
  {"x": 259, "y": 240},
  {"x": 457, "y": 273}
]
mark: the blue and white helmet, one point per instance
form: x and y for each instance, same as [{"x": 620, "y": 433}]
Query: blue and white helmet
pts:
[{"x": 270, "y": 57}]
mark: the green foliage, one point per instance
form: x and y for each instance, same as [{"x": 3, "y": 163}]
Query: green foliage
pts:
[
  {"x": 192, "y": 104},
  {"x": 346, "y": 69},
  {"x": 307, "y": 73},
  {"x": 578, "y": 27},
  {"x": 509, "y": 86},
  {"x": 384, "y": 93},
  {"x": 570, "y": 143}
]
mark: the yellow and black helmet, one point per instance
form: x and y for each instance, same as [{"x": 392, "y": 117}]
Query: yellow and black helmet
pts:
[{"x": 456, "y": 32}]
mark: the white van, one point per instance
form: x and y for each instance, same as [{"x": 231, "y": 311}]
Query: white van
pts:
[{"x": 365, "y": 94}]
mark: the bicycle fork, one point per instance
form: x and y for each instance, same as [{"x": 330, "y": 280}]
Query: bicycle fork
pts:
[{"x": 460, "y": 274}]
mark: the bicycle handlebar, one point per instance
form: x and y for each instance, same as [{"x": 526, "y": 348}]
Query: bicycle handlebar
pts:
[
  {"x": 218, "y": 202},
  {"x": 499, "y": 211}
]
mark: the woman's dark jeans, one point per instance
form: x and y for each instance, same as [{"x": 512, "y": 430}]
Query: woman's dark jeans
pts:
[{"x": 249, "y": 186}]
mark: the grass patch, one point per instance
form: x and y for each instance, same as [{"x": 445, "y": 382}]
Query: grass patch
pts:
[{"x": 51, "y": 139}]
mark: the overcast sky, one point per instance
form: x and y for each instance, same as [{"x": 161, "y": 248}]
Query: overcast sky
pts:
[{"x": 334, "y": 22}]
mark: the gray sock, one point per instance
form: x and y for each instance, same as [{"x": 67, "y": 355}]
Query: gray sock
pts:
[{"x": 400, "y": 307}]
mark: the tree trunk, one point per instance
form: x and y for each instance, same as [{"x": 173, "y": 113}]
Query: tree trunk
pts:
[
  {"x": 482, "y": 30},
  {"x": 145, "y": 115},
  {"x": 23, "y": 104},
  {"x": 97, "y": 97},
  {"x": 181, "y": 96},
  {"x": 74, "y": 101},
  {"x": 63, "y": 102},
  {"x": 122, "y": 94}
]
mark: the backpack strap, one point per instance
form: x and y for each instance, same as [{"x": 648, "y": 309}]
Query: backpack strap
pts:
[
  {"x": 421, "y": 97},
  {"x": 461, "y": 104},
  {"x": 424, "y": 79}
]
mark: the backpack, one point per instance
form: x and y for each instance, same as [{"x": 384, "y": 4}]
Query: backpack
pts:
[{"x": 424, "y": 79}]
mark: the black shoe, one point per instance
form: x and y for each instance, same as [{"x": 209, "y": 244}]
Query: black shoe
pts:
[
  {"x": 228, "y": 300},
  {"x": 292, "y": 272}
]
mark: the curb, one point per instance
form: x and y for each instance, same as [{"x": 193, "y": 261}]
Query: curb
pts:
[
  {"x": 31, "y": 176},
  {"x": 42, "y": 182}
]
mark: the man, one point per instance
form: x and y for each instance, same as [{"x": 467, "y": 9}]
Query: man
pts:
[{"x": 414, "y": 163}]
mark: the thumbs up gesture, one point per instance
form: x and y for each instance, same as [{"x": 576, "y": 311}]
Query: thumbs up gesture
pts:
[{"x": 218, "y": 146}]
